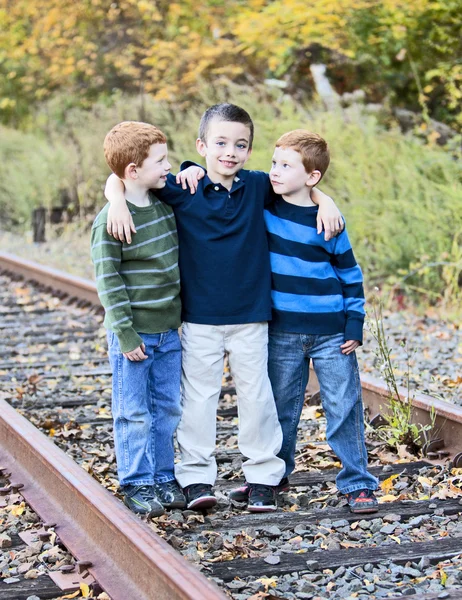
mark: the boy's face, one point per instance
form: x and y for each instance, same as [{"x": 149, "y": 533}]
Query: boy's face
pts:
[
  {"x": 153, "y": 172},
  {"x": 226, "y": 150},
  {"x": 288, "y": 175}
]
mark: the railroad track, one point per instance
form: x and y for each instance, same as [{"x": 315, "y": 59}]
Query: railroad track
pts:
[{"x": 54, "y": 370}]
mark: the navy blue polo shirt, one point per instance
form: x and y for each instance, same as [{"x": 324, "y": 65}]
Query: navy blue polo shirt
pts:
[{"x": 223, "y": 253}]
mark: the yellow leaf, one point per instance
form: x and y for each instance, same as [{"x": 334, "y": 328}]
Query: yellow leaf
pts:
[
  {"x": 387, "y": 484},
  {"x": 18, "y": 510},
  {"x": 387, "y": 498},
  {"x": 51, "y": 432},
  {"x": 321, "y": 499},
  {"x": 268, "y": 582},
  {"x": 443, "y": 576},
  {"x": 425, "y": 481},
  {"x": 395, "y": 539},
  {"x": 85, "y": 589}
]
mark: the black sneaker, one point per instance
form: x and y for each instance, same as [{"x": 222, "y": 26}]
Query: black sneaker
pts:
[
  {"x": 141, "y": 500},
  {"x": 170, "y": 494},
  {"x": 262, "y": 498},
  {"x": 362, "y": 501},
  {"x": 241, "y": 494},
  {"x": 199, "y": 496}
]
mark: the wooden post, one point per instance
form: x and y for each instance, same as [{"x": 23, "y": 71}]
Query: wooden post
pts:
[{"x": 38, "y": 224}]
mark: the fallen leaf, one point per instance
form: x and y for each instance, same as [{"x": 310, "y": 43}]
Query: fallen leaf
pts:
[
  {"x": 387, "y": 485},
  {"x": 268, "y": 582},
  {"x": 321, "y": 499},
  {"x": 387, "y": 498}
]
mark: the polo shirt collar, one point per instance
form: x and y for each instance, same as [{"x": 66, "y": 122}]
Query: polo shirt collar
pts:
[{"x": 239, "y": 180}]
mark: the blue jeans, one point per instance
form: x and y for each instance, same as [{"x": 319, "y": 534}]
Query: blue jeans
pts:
[
  {"x": 338, "y": 375},
  {"x": 146, "y": 408}
]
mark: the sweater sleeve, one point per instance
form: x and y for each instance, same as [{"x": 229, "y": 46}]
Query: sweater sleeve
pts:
[
  {"x": 351, "y": 278},
  {"x": 106, "y": 254}
]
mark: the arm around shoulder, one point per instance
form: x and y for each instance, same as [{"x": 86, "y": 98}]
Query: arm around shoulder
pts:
[
  {"x": 329, "y": 217},
  {"x": 119, "y": 220}
]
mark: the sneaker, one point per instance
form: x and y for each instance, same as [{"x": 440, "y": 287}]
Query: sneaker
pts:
[
  {"x": 241, "y": 494},
  {"x": 170, "y": 494},
  {"x": 199, "y": 496},
  {"x": 262, "y": 498},
  {"x": 141, "y": 500},
  {"x": 362, "y": 501}
]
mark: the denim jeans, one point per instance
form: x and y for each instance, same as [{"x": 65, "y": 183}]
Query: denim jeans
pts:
[
  {"x": 338, "y": 375},
  {"x": 146, "y": 408}
]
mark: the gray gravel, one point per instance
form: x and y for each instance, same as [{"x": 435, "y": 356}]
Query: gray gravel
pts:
[{"x": 434, "y": 348}]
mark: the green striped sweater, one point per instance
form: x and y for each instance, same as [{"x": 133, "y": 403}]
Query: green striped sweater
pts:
[{"x": 139, "y": 283}]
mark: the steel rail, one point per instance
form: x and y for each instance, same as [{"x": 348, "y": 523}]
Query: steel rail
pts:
[
  {"x": 448, "y": 417},
  {"x": 75, "y": 287},
  {"x": 128, "y": 559},
  {"x": 448, "y": 420}
]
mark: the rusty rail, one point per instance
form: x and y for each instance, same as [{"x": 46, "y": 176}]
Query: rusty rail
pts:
[
  {"x": 448, "y": 417},
  {"x": 75, "y": 287},
  {"x": 128, "y": 559}
]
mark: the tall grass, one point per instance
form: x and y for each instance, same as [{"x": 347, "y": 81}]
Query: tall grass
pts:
[{"x": 401, "y": 199}]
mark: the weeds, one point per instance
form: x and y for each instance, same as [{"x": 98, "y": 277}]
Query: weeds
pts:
[{"x": 399, "y": 428}]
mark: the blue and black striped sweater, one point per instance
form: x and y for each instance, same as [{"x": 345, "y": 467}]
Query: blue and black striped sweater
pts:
[{"x": 317, "y": 286}]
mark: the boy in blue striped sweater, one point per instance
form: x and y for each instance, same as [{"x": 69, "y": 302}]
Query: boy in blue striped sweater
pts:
[{"x": 318, "y": 314}]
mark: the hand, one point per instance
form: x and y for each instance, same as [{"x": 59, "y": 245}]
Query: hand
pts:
[
  {"x": 329, "y": 218},
  {"x": 349, "y": 346},
  {"x": 120, "y": 223},
  {"x": 190, "y": 177},
  {"x": 137, "y": 354}
]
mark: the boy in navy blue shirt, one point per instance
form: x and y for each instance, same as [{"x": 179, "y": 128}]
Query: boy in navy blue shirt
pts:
[
  {"x": 317, "y": 314},
  {"x": 225, "y": 288}
]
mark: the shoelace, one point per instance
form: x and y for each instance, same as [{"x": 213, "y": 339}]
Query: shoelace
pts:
[
  {"x": 144, "y": 491},
  {"x": 171, "y": 486}
]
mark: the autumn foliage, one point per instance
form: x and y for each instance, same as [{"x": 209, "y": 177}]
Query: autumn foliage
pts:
[{"x": 405, "y": 51}]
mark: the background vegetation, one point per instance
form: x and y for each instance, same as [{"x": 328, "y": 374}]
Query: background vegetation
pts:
[
  {"x": 70, "y": 71},
  {"x": 405, "y": 51}
]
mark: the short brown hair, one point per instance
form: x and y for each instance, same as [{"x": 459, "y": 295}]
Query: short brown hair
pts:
[
  {"x": 311, "y": 146},
  {"x": 130, "y": 142},
  {"x": 225, "y": 112}
]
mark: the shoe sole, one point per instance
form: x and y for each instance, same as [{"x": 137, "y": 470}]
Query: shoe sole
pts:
[
  {"x": 262, "y": 508},
  {"x": 202, "y": 502},
  {"x": 360, "y": 511},
  {"x": 174, "y": 504}
]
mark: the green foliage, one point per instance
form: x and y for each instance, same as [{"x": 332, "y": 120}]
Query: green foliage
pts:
[
  {"x": 413, "y": 52},
  {"x": 33, "y": 173},
  {"x": 401, "y": 198}
]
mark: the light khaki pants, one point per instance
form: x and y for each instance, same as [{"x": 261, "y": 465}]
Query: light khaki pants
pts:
[{"x": 260, "y": 436}]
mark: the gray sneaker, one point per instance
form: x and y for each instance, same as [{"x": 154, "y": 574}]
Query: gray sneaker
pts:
[
  {"x": 142, "y": 500},
  {"x": 170, "y": 494}
]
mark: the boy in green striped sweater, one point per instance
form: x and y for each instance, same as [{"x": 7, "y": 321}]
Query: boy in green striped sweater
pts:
[{"x": 139, "y": 288}]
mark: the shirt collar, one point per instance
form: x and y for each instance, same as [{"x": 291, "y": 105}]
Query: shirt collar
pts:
[{"x": 238, "y": 182}]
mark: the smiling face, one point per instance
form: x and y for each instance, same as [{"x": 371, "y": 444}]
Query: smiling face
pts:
[
  {"x": 288, "y": 175},
  {"x": 152, "y": 174},
  {"x": 226, "y": 149}
]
